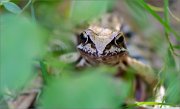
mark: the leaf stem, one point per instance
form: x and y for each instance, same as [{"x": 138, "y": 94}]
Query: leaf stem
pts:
[{"x": 26, "y": 6}]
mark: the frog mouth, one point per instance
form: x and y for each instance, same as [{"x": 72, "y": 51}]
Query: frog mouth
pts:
[
  {"x": 109, "y": 59},
  {"x": 104, "y": 56}
]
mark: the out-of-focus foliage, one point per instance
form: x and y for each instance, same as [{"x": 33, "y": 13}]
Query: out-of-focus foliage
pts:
[
  {"x": 170, "y": 73},
  {"x": 91, "y": 90},
  {"x": 171, "y": 78},
  {"x": 138, "y": 13},
  {"x": 10, "y": 6},
  {"x": 85, "y": 10},
  {"x": 21, "y": 43}
]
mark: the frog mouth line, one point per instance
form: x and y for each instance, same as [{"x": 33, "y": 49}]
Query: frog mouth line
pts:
[
  {"x": 110, "y": 59},
  {"x": 104, "y": 55}
]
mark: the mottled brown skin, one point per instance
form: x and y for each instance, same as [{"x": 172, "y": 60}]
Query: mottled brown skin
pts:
[
  {"x": 110, "y": 60},
  {"x": 103, "y": 42}
]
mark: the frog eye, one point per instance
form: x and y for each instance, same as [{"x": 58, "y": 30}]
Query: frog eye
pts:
[
  {"x": 119, "y": 39},
  {"x": 83, "y": 38}
]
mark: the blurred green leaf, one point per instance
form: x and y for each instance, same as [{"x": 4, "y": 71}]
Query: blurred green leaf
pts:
[
  {"x": 85, "y": 10},
  {"x": 170, "y": 60},
  {"x": 3, "y": 1},
  {"x": 21, "y": 41},
  {"x": 138, "y": 13},
  {"x": 44, "y": 71},
  {"x": 12, "y": 7},
  {"x": 172, "y": 80},
  {"x": 166, "y": 12},
  {"x": 173, "y": 91},
  {"x": 89, "y": 91}
]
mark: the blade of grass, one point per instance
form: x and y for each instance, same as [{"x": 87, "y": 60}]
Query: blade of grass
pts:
[
  {"x": 153, "y": 13},
  {"x": 155, "y": 8},
  {"x": 176, "y": 46},
  {"x": 175, "y": 17},
  {"x": 166, "y": 15},
  {"x": 30, "y": 3},
  {"x": 151, "y": 103},
  {"x": 166, "y": 19},
  {"x": 139, "y": 104},
  {"x": 33, "y": 13},
  {"x": 26, "y": 6},
  {"x": 160, "y": 9},
  {"x": 171, "y": 49},
  {"x": 44, "y": 71}
]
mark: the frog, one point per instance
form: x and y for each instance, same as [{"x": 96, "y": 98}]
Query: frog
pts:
[{"x": 103, "y": 42}]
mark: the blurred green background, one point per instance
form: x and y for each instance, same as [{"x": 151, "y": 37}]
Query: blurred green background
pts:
[{"x": 34, "y": 33}]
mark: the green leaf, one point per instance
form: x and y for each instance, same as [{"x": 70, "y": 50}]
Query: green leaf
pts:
[
  {"x": 170, "y": 60},
  {"x": 3, "y": 1},
  {"x": 21, "y": 42},
  {"x": 89, "y": 91},
  {"x": 137, "y": 12},
  {"x": 12, "y": 7},
  {"x": 84, "y": 10},
  {"x": 44, "y": 71},
  {"x": 173, "y": 91}
]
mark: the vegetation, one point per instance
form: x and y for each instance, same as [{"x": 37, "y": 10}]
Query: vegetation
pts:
[{"x": 34, "y": 33}]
